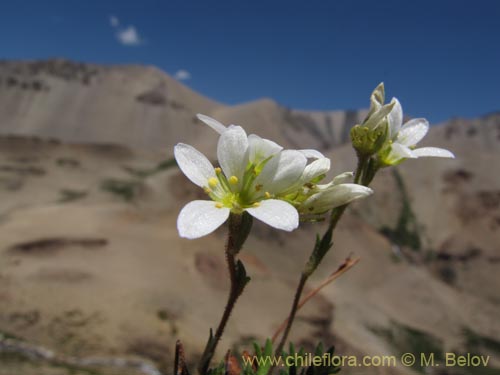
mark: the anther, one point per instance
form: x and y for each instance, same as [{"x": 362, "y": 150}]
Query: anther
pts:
[
  {"x": 219, "y": 205},
  {"x": 267, "y": 195},
  {"x": 233, "y": 180},
  {"x": 258, "y": 187},
  {"x": 212, "y": 182},
  {"x": 218, "y": 170},
  {"x": 256, "y": 204}
]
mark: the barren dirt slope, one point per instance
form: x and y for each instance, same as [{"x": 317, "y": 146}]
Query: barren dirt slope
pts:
[{"x": 91, "y": 263}]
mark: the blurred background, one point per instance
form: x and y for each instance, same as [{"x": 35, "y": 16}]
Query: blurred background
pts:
[{"x": 94, "y": 95}]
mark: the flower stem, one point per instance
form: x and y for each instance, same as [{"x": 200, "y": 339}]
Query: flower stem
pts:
[
  {"x": 364, "y": 164},
  {"x": 361, "y": 169},
  {"x": 293, "y": 312},
  {"x": 239, "y": 227},
  {"x": 344, "y": 267}
]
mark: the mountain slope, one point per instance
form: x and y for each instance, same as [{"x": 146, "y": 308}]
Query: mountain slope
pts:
[
  {"x": 142, "y": 107},
  {"x": 91, "y": 262}
]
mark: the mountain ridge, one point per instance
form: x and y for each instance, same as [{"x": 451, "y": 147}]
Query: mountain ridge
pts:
[{"x": 92, "y": 216}]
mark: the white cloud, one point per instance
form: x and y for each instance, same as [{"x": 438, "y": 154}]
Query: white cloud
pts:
[
  {"x": 129, "y": 36},
  {"x": 182, "y": 75},
  {"x": 114, "y": 21}
]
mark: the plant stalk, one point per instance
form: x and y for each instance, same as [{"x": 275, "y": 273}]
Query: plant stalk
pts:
[
  {"x": 344, "y": 267},
  {"x": 238, "y": 280},
  {"x": 364, "y": 174}
]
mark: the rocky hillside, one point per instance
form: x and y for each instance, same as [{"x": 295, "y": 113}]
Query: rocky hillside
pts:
[
  {"x": 92, "y": 268},
  {"x": 141, "y": 107}
]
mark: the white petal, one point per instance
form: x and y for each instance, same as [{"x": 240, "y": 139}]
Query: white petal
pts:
[
  {"x": 335, "y": 196},
  {"x": 214, "y": 124},
  {"x": 376, "y": 118},
  {"x": 399, "y": 151},
  {"x": 199, "y": 218},
  {"x": 232, "y": 151},
  {"x": 395, "y": 118},
  {"x": 193, "y": 164},
  {"x": 340, "y": 179},
  {"x": 282, "y": 171},
  {"x": 276, "y": 213},
  {"x": 315, "y": 169},
  {"x": 312, "y": 154},
  {"x": 413, "y": 131},
  {"x": 433, "y": 151},
  {"x": 343, "y": 177},
  {"x": 260, "y": 149}
]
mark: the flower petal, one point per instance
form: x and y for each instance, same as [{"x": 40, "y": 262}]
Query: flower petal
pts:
[
  {"x": 376, "y": 119},
  {"x": 214, "y": 124},
  {"x": 343, "y": 177},
  {"x": 282, "y": 171},
  {"x": 337, "y": 180},
  {"x": 232, "y": 151},
  {"x": 433, "y": 151},
  {"x": 399, "y": 151},
  {"x": 312, "y": 154},
  {"x": 276, "y": 213},
  {"x": 199, "y": 218},
  {"x": 395, "y": 118},
  {"x": 315, "y": 169},
  {"x": 193, "y": 164},
  {"x": 413, "y": 131},
  {"x": 260, "y": 149},
  {"x": 335, "y": 196}
]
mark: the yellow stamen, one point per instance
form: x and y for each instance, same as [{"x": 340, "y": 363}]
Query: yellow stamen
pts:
[
  {"x": 219, "y": 205},
  {"x": 256, "y": 204},
  {"x": 207, "y": 190},
  {"x": 233, "y": 180},
  {"x": 267, "y": 195},
  {"x": 218, "y": 170},
  {"x": 212, "y": 182}
]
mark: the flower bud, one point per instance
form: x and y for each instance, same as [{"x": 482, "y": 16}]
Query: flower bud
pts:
[{"x": 368, "y": 141}]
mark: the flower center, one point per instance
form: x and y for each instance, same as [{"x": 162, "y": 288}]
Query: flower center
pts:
[{"x": 235, "y": 193}]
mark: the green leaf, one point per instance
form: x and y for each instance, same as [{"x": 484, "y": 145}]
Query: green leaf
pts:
[
  {"x": 325, "y": 369},
  {"x": 240, "y": 227},
  {"x": 220, "y": 369},
  {"x": 267, "y": 354}
]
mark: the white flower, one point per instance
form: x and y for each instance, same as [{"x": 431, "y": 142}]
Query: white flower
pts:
[
  {"x": 322, "y": 198},
  {"x": 402, "y": 139},
  {"x": 256, "y": 176},
  {"x": 253, "y": 173}
]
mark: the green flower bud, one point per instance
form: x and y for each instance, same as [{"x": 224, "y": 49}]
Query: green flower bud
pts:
[{"x": 368, "y": 141}]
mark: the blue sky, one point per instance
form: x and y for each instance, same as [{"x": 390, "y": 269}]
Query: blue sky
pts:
[{"x": 440, "y": 58}]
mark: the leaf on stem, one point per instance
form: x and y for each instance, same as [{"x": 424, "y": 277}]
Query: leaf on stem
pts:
[{"x": 241, "y": 277}]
